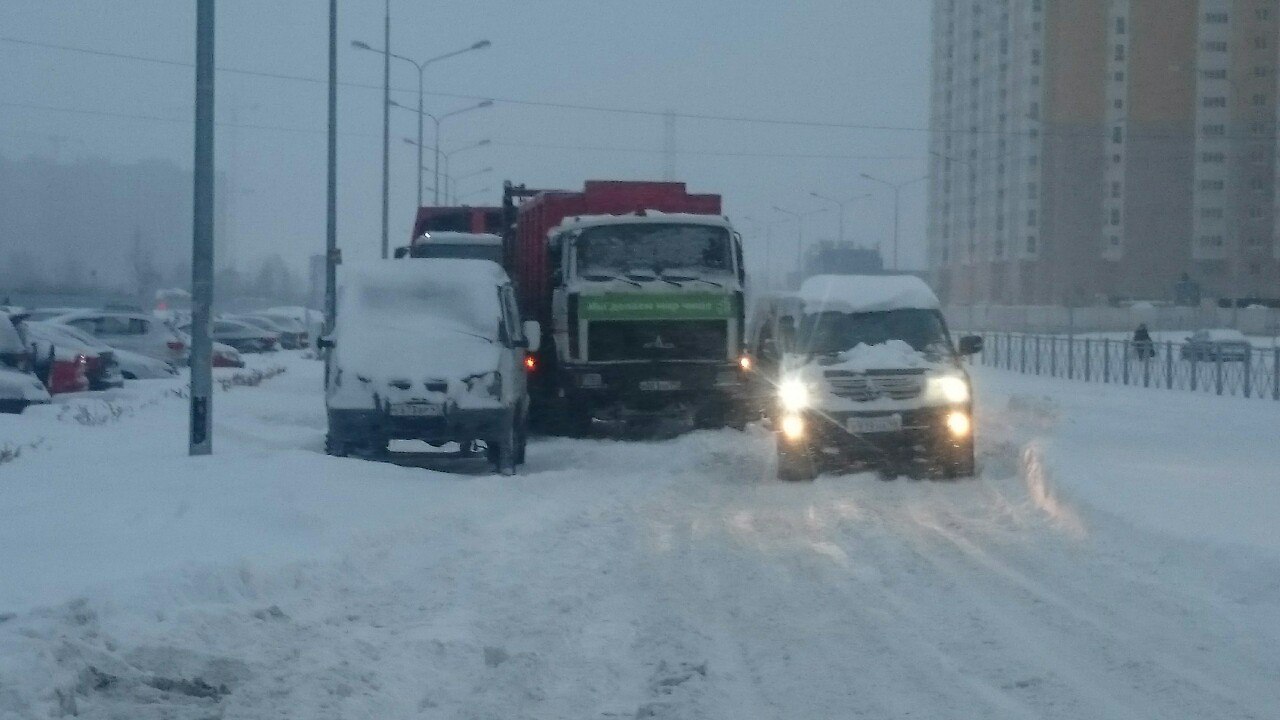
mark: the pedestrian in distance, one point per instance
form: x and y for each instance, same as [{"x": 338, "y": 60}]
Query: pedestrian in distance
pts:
[{"x": 1143, "y": 346}]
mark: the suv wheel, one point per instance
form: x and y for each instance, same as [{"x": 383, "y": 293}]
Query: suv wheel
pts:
[
  {"x": 796, "y": 464},
  {"x": 502, "y": 452}
]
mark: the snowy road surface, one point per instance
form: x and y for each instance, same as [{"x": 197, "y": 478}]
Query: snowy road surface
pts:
[{"x": 1114, "y": 560}]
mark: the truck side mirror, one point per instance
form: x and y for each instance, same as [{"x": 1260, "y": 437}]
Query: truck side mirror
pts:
[
  {"x": 970, "y": 344},
  {"x": 324, "y": 343},
  {"x": 532, "y": 335}
]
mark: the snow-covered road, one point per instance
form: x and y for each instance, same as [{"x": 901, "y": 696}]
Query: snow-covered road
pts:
[{"x": 664, "y": 580}]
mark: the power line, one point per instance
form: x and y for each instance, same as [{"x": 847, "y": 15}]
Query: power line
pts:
[{"x": 504, "y": 143}]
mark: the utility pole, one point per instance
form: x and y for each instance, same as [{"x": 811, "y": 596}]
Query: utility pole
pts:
[
  {"x": 331, "y": 207},
  {"x": 200, "y": 441},
  {"x": 386, "y": 129}
]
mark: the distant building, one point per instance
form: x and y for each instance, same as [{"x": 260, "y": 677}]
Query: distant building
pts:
[
  {"x": 830, "y": 257},
  {"x": 1086, "y": 149}
]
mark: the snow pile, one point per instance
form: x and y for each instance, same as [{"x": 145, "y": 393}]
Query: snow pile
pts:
[
  {"x": 866, "y": 293},
  {"x": 889, "y": 355}
]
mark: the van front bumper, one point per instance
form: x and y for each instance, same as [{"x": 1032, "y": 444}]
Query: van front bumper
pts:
[{"x": 376, "y": 427}]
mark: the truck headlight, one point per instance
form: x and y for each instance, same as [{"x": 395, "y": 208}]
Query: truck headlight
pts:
[
  {"x": 794, "y": 395},
  {"x": 951, "y": 389},
  {"x": 490, "y": 383},
  {"x": 792, "y": 427},
  {"x": 959, "y": 424}
]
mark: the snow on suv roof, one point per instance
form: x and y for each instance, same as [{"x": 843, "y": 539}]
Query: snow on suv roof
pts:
[
  {"x": 866, "y": 293},
  {"x": 457, "y": 238}
]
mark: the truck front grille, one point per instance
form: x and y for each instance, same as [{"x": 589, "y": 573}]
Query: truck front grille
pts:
[
  {"x": 620, "y": 340},
  {"x": 862, "y": 387}
]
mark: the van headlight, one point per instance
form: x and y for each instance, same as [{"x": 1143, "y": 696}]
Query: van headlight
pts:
[
  {"x": 950, "y": 389},
  {"x": 489, "y": 383},
  {"x": 794, "y": 395}
]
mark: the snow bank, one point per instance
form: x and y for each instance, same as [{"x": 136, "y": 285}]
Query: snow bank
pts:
[{"x": 866, "y": 293}]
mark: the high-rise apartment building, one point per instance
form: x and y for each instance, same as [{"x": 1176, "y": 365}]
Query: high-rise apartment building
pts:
[{"x": 1085, "y": 149}]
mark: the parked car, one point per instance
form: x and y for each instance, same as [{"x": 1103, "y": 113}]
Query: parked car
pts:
[
  {"x": 225, "y": 356},
  {"x": 293, "y": 335},
  {"x": 430, "y": 350},
  {"x": 136, "y": 366},
  {"x": 100, "y": 367},
  {"x": 312, "y": 320},
  {"x": 242, "y": 336},
  {"x": 138, "y": 332},
  {"x": 42, "y": 314},
  {"x": 1210, "y": 345},
  {"x": 19, "y": 386}
]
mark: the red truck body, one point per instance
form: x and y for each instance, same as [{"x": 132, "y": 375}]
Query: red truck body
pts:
[{"x": 544, "y": 210}]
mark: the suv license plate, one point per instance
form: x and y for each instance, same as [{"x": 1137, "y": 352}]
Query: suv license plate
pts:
[
  {"x": 659, "y": 385},
  {"x": 875, "y": 424},
  {"x": 416, "y": 410}
]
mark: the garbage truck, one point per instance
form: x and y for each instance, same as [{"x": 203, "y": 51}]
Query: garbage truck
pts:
[{"x": 641, "y": 285}]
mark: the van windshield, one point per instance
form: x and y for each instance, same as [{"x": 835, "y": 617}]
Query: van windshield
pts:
[{"x": 833, "y": 332}]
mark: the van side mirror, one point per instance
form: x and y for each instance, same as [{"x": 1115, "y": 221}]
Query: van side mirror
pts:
[
  {"x": 401, "y": 252},
  {"x": 532, "y": 335},
  {"x": 970, "y": 344},
  {"x": 324, "y": 343}
]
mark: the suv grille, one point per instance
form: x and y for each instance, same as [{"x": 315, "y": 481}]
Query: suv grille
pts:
[
  {"x": 612, "y": 340},
  {"x": 862, "y": 388}
]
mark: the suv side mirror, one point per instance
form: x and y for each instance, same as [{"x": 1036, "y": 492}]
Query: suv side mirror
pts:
[
  {"x": 970, "y": 344},
  {"x": 324, "y": 343},
  {"x": 532, "y": 335}
]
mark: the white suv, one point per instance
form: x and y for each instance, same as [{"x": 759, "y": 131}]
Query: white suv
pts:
[{"x": 136, "y": 332}]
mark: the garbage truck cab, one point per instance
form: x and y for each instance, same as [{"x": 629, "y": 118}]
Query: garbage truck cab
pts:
[{"x": 864, "y": 374}]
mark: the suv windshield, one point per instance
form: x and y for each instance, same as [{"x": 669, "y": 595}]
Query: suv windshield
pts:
[
  {"x": 832, "y": 332},
  {"x": 673, "y": 250}
]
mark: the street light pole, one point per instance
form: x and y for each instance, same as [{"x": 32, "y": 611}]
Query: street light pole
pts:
[
  {"x": 799, "y": 235},
  {"x": 200, "y": 439},
  {"x": 421, "y": 68},
  {"x": 437, "y": 119},
  {"x": 386, "y": 130},
  {"x": 897, "y": 191},
  {"x": 331, "y": 207},
  {"x": 447, "y": 155}
]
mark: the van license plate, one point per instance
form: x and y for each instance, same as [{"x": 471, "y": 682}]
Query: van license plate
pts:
[
  {"x": 416, "y": 410},
  {"x": 875, "y": 424},
  {"x": 659, "y": 385}
]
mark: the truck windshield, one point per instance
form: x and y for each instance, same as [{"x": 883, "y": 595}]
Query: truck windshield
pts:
[
  {"x": 670, "y": 250},
  {"x": 832, "y": 332}
]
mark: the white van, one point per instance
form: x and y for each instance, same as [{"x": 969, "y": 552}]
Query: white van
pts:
[
  {"x": 864, "y": 373},
  {"x": 430, "y": 350}
]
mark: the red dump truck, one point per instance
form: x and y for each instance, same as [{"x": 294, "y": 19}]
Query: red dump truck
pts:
[{"x": 640, "y": 287}]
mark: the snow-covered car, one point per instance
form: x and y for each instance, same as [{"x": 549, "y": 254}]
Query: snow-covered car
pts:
[
  {"x": 865, "y": 374},
  {"x": 293, "y": 334},
  {"x": 19, "y": 385},
  {"x": 312, "y": 320},
  {"x": 42, "y": 314},
  {"x": 101, "y": 369},
  {"x": 242, "y": 336},
  {"x": 1210, "y": 345},
  {"x": 225, "y": 356},
  {"x": 138, "y": 332},
  {"x": 136, "y": 366},
  {"x": 432, "y": 350}
]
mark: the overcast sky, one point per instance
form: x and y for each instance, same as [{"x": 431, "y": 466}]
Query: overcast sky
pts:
[{"x": 852, "y": 62}]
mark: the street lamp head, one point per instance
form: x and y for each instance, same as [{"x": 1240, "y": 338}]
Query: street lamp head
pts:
[
  {"x": 393, "y": 103},
  {"x": 486, "y": 141},
  {"x": 410, "y": 141},
  {"x": 360, "y": 45},
  {"x": 485, "y": 104},
  {"x": 867, "y": 176},
  {"x": 480, "y": 45}
]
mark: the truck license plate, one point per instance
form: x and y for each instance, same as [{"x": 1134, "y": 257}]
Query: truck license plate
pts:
[
  {"x": 416, "y": 410},
  {"x": 874, "y": 424},
  {"x": 659, "y": 385}
]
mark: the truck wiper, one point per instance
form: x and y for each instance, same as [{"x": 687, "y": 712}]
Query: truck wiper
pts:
[
  {"x": 602, "y": 278},
  {"x": 704, "y": 280}
]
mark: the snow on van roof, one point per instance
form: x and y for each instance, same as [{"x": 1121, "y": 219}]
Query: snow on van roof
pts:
[
  {"x": 866, "y": 293},
  {"x": 458, "y": 238},
  {"x": 650, "y": 217}
]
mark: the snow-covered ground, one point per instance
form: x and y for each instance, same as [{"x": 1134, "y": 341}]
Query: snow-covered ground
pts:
[{"x": 1118, "y": 558}]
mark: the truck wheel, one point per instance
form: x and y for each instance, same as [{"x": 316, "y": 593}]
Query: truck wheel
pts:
[
  {"x": 522, "y": 440},
  {"x": 502, "y": 452},
  {"x": 796, "y": 464}
]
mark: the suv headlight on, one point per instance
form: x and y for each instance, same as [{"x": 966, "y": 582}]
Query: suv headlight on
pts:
[
  {"x": 952, "y": 389},
  {"x": 793, "y": 394}
]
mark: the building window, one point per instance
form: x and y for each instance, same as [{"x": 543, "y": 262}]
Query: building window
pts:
[
  {"x": 1260, "y": 100},
  {"x": 1211, "y": 213},
  {"x": 1212, "y": 157},
  {"x": 1215, "y": 46},
  {"x": 1118, "y": 104},
  {"x": 1214, "y": 101},
  {"x": 1117, "y": 135},
  {"x": 1031, "y": 243},
  {"x": 1120, "y": 53},
  {"x": 1214, "y": 130},
  {"x": 1115, "y": 240},
  {"x": 1260, "y": 43},
  {"x": 1116, "y": 189},
  {"x": 1115, "y": 217},
  {"x": 1211, "y": 185},
  {"x": 1032, "y": 217},
  {"x": 1032, "y": 190},
  {"x": 1120, "y": 26},
  {"x": 1215, "y": 18}
]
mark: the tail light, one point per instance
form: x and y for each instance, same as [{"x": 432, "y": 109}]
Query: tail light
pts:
[
  {"x": 530, "y": 363},
  {"x": 176, "y": 345}
]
